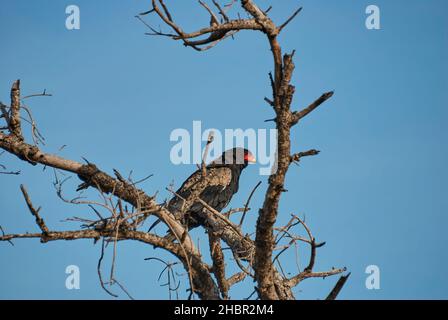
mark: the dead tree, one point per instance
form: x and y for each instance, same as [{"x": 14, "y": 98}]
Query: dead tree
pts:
[{"x": 129, "y": 207}]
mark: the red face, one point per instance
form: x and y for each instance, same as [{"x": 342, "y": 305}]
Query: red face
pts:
[{"x": 249, "y": 157}]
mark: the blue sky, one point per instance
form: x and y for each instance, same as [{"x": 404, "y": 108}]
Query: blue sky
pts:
[{"x": 376, "y": 194}]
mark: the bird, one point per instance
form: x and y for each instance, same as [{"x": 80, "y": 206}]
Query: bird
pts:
[{"x": 223, "y": 175}]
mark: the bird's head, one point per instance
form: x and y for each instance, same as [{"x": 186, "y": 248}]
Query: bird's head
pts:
[{"x": 236, "y": 156}]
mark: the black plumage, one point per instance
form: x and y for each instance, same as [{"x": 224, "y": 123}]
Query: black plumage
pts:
[{"x": 223, "y": 176}]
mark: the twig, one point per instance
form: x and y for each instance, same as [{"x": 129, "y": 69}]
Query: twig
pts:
[
  {"x": 170, "y": 275},
  {"x": 232, "y": 211},
  {"x": 10, "y": 172},
  {"x": 296, "y": 116},
  {"x": 3, "y": 235},
  {"x": 305, "y": 275},
  {"x": 100, "y": 260},
  {"x": 214, "y": 18},
  {"x": 337, "y": 288},
  {"x": 123, "y": 288},
  {"x": 246, "y": 206},
  {"x": 237, "y": 277},
  {"x": 218, "y": 214},
  {"x": 5, "y": 114},
  {"x": 142, "y": 180},
  {"x": 43, "y": 94},
  {"x": 297, "y": 156},
  {"x": 221, "y": 11},
  {"x": 35, "y": 212},
  {"x": 289, "y": 19},
  {"x": 35, "y": 133}
]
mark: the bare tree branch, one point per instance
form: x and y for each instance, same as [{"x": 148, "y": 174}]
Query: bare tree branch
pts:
[
  {"x": 306, "y": 274},
  {"x": 14, "y": 121},
  {"x": 296, "y": 116},
  {"x": 253, "y": 257},
  {"x": 246, "y": 206},
  {"x": 219, "y": 264},
  {"x": 35, "y": 212},
  {"x": 337, "y": 288},
  {"x": 297, "y": 156},
  {"x": 289, "y": 19}
]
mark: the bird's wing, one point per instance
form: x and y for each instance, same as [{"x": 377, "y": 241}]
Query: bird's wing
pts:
[
  {"x": 220, "y": 179},
  {"x": 215, "y": 197}
]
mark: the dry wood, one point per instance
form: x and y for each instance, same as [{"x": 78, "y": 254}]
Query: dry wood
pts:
[{"x": 253, "y": 256}]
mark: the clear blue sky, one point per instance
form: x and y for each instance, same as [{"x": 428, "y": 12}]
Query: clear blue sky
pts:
[{"x": 377, "y": 193}]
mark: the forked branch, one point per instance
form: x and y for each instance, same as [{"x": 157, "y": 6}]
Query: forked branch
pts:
[{"x": 257, "y": 255}]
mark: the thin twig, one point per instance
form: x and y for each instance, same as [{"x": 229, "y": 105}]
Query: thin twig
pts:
[
  {"x": 289, "y": 19},
  {"x": 35, "y": 212},
  {"x": 246, "y": 206},
  {"x": 301, "y": 114},
  {"x": 43, "y": 94},
  {"x": 4, "y": 235},
  {"x": 100, "y": 260}
]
